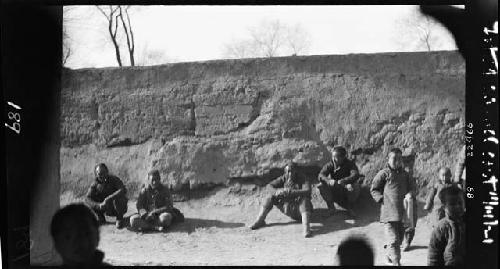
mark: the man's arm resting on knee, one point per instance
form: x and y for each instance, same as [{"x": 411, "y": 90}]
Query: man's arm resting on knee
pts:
[
  {"x": 324, "y": 174},
  {"x": 91, "y": 197},
  {"x": 121, "y": 191},
  {"x": 350, "y": 179},
  {"x": 277, "y": 183}
]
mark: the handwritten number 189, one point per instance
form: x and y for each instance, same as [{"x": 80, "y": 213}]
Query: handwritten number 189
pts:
[{"x": 16, "y": 117}]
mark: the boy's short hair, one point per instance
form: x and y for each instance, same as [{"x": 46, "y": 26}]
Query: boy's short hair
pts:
[
  {"x": 355, "y": 250},
  {"x": 291, "y": 164},
  {"x": 340, "y": 150},
  {"x": 447, "y": 169},
  {"x": 76, "y": 212},
  {"x": 101, "y": 165},
  {"x": 396, "y": 151},
  {"x": 154, "y": 172},
  {"x": 449, "y": 191}
]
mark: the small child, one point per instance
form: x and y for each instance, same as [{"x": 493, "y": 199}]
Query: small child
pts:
[
  {"x": 75, "y": 231},
  {"x": 447, "y": 244},
  {"x": 389, "y": 188},
  {"x": 433, "y": 202}
]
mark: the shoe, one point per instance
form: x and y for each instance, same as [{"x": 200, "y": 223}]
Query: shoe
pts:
[
  {"x": 120, "y": 224},
  {"x": 160, "y": 228},
  {"x": 257, "y": 225},
  {"x": 332, "y": 210},
  {"x": 405, "y": 247},
  {"x": 307, "y": 234},
  {"x": 388, "y": 260}
]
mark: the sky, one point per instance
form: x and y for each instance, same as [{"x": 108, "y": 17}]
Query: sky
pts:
[{"x": 199, "y": 33}]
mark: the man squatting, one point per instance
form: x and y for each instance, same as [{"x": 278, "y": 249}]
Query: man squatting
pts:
[{"x": 107, "y": 196}]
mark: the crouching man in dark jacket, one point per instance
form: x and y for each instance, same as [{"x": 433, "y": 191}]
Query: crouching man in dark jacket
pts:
[
  {"x": 155, "y": 206},
  {"x": 107, "y": 196},
  {"x": 338, "y": 181}
]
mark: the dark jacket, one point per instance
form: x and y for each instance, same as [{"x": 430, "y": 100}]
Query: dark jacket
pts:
[
  {"x": 447, "y": 244},
  {"x": 299, "y": 186},
  {"x": 433, "y": 200},
  {"x": 389, "y": 187},
  {"x": 152, "y": 199},
  {"x": 158, "y": 200},
  {"x": 99, "y": 190},
  {"x": 347, "y": 173}
]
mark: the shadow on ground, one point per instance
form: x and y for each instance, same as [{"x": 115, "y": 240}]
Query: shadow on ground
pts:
[
  {"x": 191, "y": 224},
  {"x": 417, "y": 247},
  {"x": 367, "y": 211}
]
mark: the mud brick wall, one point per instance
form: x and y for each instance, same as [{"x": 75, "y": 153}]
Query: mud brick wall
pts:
[{"x": 217, "y": 122}]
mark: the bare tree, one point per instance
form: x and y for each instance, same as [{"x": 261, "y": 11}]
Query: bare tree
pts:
[
  {"x": 239, "y": 49},
  {"x": 424, "y": 26},
  {"x": 151, "y": 56},
  {"x": 129, "y": 34},
  {"x": 269, "y": 39},
  {"x": 419, "y": 32},
  {"x": 111, "y": 16},
  {"x": 298, "y": 40},
  {"x": 66, "y": 47},
  {"x": 68, "y": 19}
]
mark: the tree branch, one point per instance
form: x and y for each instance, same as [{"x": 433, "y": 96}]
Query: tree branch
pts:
[
  {"x": 128, "y": 36},
  {"x": 130, "y": 29},
  {"x": 110, "y": 20}
]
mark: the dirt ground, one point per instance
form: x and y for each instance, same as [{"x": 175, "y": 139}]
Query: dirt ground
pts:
[{"x": 215, "y": 233}]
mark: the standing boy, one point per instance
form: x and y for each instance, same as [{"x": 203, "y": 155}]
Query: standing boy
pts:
[
  {"x": 433, "y": 202},
  {"x": 447, "y": 244},
  {"x": 389, "y": 188}
]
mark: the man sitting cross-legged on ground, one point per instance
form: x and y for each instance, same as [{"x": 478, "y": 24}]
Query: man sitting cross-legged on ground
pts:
[
  {"x": 338, "y": 181},
  {"x": 107, "y": 195},
  {"x": 293, "y": 198},
  {"x": 155, "y": 206}
]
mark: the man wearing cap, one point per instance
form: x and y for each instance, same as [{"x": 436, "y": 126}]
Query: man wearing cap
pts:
[
  {"x": 107, "y": 196},
  {"x": 293, "y": 198},
  {"x": 338, "y": 181},
  {"x": 155, "y": 206}
]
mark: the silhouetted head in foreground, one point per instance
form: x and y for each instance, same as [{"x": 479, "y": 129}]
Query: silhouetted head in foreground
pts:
[
  {"x": 453, "y": 202},
  {"x": 355, "y": 250},
  {"x": 75, "y": 232}
]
